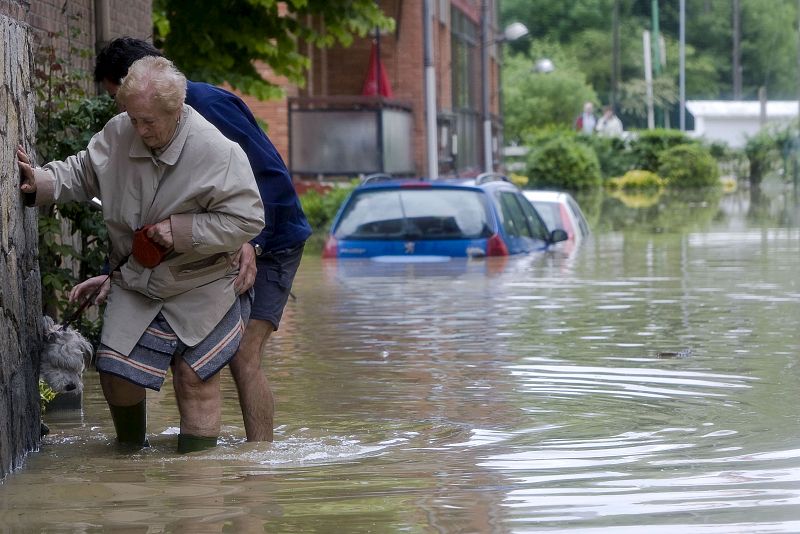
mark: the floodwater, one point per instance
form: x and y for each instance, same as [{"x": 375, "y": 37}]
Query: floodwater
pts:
[{"x": 646, "y": 381}]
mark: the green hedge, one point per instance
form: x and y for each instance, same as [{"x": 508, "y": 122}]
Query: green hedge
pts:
[
  {"x": 564, "y": 163},
  {"x": 565, "y": 160},
  {"x": 648, "y": 145},
  {"x": 688, "y": 166},
  {"x": 636, "y": 180},
  {"x": 762, "y": 154},
  {"x": 320, "y": 209},
  {"x": 613, "y": 153}
]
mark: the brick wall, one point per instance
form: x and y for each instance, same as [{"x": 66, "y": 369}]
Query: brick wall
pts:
[
  {"x": 68, "y": 26},
  {"x": 341, "y": 71},
  {"x": 274, "y": 113},
  {"x": 132, "y": 18}
]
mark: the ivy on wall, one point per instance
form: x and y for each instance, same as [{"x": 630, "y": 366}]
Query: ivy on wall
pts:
[{"x": 72, "y": 237}]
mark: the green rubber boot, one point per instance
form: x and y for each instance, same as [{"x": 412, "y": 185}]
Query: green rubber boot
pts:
[
  {"x": 130, "y": 422},
  {"x": 190, "y": 443}
]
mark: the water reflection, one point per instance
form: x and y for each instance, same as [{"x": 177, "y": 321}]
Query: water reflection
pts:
[{"x": 515, "y": 395}]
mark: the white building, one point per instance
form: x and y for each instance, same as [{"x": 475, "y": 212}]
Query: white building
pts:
[{"x": 733, "y": 121}]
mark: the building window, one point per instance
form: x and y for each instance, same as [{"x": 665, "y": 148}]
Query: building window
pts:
[
  {"x": 447, "y": 142},
  {"x": 466, "y": 90}
]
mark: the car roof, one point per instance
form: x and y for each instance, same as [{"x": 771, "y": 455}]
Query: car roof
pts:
[
  {"x": 545, "y": 196},
  {"x": 387, "y": 182}
]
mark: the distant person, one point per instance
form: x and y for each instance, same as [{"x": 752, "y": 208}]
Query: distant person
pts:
[
  {"x": 609, "y": 124},
  {"x": 586, "y": 121}
]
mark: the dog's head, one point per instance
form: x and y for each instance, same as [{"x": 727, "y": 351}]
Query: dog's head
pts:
[{"x": 64, "y": 356}]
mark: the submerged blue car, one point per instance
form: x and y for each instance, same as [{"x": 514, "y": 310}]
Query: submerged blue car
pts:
[{"x": 422, "y": 220}]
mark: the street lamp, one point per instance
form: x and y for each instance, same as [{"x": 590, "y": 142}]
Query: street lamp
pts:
[
  {"x": 543, "y": 66},
  {"x": 513, "y": 32}
]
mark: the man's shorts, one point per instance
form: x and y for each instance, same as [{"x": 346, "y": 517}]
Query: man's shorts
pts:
[
  {"x": 274, "y": 277},
  {"x": 148, "y": 362}
]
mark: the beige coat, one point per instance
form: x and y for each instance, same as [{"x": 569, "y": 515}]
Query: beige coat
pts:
[{"x": 203, "y": 183}]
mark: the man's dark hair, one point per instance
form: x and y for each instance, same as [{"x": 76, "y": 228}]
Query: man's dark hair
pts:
[{"x": 116, "y": 57}]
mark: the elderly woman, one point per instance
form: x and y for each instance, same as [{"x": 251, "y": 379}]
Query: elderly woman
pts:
[{"x": 179, "y": 199}]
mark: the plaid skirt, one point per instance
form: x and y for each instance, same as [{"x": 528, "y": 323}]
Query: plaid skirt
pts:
[{"x": 148, "y": 362}]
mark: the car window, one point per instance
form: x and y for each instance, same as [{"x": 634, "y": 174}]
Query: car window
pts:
[
  {"x": 538, "y": 228},
  {"x": 426, "y": 213},
  {"x": 514, "y": 218},
  {"x": 576, "y": 210},
  {"x": 549, "y": 211}
]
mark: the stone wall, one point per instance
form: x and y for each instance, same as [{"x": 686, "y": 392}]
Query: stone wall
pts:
[{"x": 20, "y": 285}]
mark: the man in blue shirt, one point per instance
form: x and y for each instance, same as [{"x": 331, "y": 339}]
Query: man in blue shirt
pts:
[{"x": 269, "y": 262}]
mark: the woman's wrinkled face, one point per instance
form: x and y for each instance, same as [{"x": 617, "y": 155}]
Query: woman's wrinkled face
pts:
[{"x": 154, "y": 125}]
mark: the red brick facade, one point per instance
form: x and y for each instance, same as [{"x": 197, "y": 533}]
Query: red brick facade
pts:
[
  {"x": 341, "y": 71},
  {"x": 273, "y": 113}
]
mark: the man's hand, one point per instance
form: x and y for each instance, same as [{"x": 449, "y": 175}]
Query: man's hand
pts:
[
  {"x": 26, "y": 182},
  {"x": 161, "y": 233},
  {"x": 245, "y": 259},
  {"x": 87, "y": 287}
]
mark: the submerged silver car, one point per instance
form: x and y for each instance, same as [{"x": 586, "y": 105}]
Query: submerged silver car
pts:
[{"x": 559, "y": 210}]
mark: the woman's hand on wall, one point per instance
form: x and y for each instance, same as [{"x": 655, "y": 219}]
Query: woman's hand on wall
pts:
[{"x": 26, "y": 181}]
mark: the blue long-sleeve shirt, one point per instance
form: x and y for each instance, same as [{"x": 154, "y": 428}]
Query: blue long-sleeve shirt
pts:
[{"x": 286, "y": 224}]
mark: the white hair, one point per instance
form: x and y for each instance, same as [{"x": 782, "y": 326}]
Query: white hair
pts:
[{"x": 157, "y": 78}]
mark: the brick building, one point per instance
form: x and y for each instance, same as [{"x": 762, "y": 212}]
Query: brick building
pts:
[
  {"x": 328, "y": 128},
  {"x": 76, "y": 28}
]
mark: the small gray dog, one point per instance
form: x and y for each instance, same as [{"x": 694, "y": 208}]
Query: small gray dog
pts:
[{"x": 64, "y": 356}]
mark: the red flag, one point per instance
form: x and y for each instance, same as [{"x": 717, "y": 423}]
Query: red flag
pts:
[{"x": 375, "y": 74}]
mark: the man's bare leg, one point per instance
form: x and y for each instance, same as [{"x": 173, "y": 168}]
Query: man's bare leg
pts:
[
  {"x": 200, "y": 406},
  {"x": 255, "y": 394}
]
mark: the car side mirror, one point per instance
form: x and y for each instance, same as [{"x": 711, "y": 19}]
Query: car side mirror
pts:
[{"x": 558, "y": 235}]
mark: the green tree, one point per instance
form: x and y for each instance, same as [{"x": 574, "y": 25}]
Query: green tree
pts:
[
  {"x": 217, "y": 41},
  {"x": 563, "y": 163},
  {"x": 688, "y": 166},
  {"x": 583, "y": 28},
  {"x": 534, "y": 100}
]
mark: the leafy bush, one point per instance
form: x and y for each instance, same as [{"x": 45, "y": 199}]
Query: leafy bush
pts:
[
  {"x": 636, "y": 180},
  {"x": 320, "y": 209},
  {"x": 612, "y": 152},
  {"x": 648, "y": 145},
  {"x": 518, "y": 179},
  {"x": 689, "y": 166},
  {"x": 761, "y": 151},
  {"x": 46, "y": 394},
  {"x": 67, "y": 118},
  {"x": 564, "y": 163}
]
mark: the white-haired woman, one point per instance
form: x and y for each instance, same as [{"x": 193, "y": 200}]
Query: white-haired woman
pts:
[{"x": 179, "y": 199}]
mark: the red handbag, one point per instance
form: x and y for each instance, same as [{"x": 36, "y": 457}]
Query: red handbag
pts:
[{"x": 146, "y": 251}]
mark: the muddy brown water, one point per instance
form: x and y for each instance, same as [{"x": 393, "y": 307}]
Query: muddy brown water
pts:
[{"x": 523, "y": 395}]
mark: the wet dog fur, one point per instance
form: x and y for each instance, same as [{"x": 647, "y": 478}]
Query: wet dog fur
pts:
[{"x": 66, "y": 353}]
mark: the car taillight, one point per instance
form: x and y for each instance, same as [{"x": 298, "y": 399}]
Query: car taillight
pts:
[
  {"x": 331, "y": 248},
  {"x": 496, "y": 246}
]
